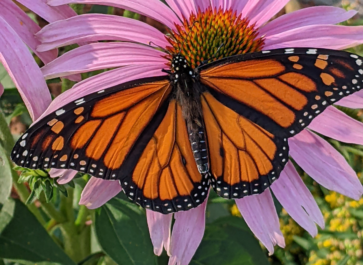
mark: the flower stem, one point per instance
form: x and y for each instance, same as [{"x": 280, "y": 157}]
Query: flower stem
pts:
[
  {"x": 50, "y": 210},
  {"x": 82, "y": 217}
]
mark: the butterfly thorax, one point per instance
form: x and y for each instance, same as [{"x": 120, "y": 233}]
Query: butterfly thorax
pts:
[{"x": 188, "y": 97}]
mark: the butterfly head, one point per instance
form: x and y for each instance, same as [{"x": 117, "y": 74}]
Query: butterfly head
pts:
[{"x": 181, "y": 69}]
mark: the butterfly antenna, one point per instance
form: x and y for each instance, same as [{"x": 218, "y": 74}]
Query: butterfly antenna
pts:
[
  {"x": 214, "y": 55},
  {"x": 153, "y": 45}
]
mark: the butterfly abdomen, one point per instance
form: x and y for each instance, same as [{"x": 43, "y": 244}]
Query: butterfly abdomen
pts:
[{"x": 199, "y": 148}]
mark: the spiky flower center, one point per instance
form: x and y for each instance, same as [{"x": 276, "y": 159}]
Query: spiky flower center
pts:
[{"x": 212, "y": 35}]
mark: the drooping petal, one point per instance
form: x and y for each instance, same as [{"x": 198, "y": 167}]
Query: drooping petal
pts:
[
  {"x": 318, "y": 15},
  {"x": 260, "y": 12},
  {"x": 95, "y": 27},
  {"x": 97, "y": 56},
  {"x": 25, "y": 27},
  {"x": 151, "y": 8},
  {"x": 260, "y": 215},
  {"x": 159, "y": 228},
  {"x": 297, "y": 200},
  {"x": 338, "y": 125},
  {"x": 101, "y": 82},
  {"x": 354, "y": 101},
  {"x": 324, "y": 164},
  {"x": 47, "y": 12},
  {"x": 321, "y": 36},
  {"x": 23, "y": 70},
  {"x": 99, "y": 191},
  {"x": 188, "y": 231},
  {"x": 65, "y": 175}
]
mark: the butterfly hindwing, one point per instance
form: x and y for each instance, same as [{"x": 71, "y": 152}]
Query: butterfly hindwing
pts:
[
  {"x": 244, "y": 158},
  {"x": 252, "y": 103},
  {"x": 164, "y": 175}
]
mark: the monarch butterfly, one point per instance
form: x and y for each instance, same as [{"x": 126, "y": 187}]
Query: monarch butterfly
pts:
[{"x": 224, "y": 124}]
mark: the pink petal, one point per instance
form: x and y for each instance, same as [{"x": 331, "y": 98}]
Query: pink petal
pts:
[
  {"x": 101, "y": 82},
  {"x": 151, "y": 8},
  {"x": 318, "y": 15},
  {"x": 227, "y": 4},
  {"x": 297, "y": 200},
  {"x": 324, "y": 164},
  {"x": 338, "y": 125},
  {"x": 188, "y": 231},
  {"x": 238, "y": 6},
  {"x": 260, "y": 12},
  {"x": 183, "y": 8},
  {"x": 25, "y": 28},
  {"x": 175, "y": 7},
  {"x": 260, "y": 215},
  {"x": 217, "y": 3},
  {"x": 49, "y": 13},
  {"x": 1, "y": 90},
  {"x": 354, "y": 101},
  {"x": 159, "y": 228},
  {"x": 102, "y": 56},
  {"x": 23, "y": 70},
  {"x": 99, "y": 191},
  {"x": 95, "y": 27},
  {"x": 202, "y": 4},
  {"x": 319, "y": 36},
  {"x": 65, "y": 175}
]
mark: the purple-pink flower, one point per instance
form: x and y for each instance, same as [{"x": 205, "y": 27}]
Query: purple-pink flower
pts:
[
  {"x": 135, "y": 58},
  {"x": 17, "y": 33}
]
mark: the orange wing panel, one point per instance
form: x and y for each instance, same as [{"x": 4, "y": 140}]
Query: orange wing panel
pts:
[
  {"x": 127, "y": 98},
  {"x": 247, "y": 149},
  {"x": 103, "y": 136},
  {"x": 283, "y": 92},
  {"x": 166, "y": 170},
  {"x": 299, "y": 81},
  {"x": 253, "y": 96},
  {"x": 245, "y": 69},
  {"x": 84, "y": 133},
  {"x": 136, "y": 119}
]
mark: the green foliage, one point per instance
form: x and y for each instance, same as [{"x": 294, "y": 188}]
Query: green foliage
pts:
[
  {"x": 40, "y": 181},
  {"x": 122, "y": 232},
  {"x": 23, "y": 239},
  {"x": 228, "y": 240},
  {"x": 5, "y": 176}
]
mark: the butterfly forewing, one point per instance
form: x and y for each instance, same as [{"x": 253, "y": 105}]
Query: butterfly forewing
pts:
[
  {"x": 278, "y": 93},
  {"x": 94, "y": 134}
]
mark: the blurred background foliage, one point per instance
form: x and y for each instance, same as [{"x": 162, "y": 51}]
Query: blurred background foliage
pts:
[{"x": 42, "y": 223}]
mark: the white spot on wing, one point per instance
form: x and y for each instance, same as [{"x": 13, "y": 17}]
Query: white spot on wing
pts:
[
  {"x": 311, "y": 51},
  {"x": 60, "y": 112}
]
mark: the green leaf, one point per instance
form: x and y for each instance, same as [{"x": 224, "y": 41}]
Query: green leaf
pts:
[
  {"x": 5, "y": 78},
  {"x": 23, "y": 238},
  {"x": 5, "y": 176},
  {"x": 344, "y": 260},
  {"x": 19, "y": 109},
  {"x": 123, "y": 234},
  {"x": 229, "y": 241},
  {"x": 302, "y": 242}
]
